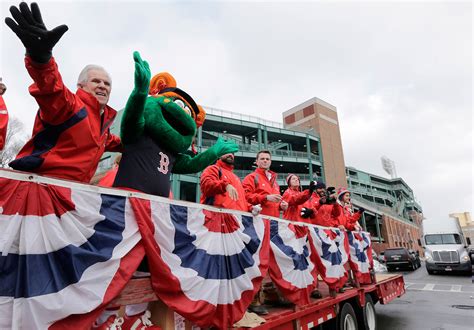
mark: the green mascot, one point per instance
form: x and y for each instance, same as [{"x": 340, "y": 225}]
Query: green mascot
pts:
[{"x": 157, "y": 132}]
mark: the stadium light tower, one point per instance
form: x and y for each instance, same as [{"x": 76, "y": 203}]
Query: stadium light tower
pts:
[{"x": 389, "y": 166}]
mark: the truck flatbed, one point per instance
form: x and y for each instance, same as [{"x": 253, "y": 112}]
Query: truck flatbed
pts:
[{"x": 386, "y": 288}]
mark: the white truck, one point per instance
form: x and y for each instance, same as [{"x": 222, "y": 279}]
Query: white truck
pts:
[{"x": 446, "y": 248}]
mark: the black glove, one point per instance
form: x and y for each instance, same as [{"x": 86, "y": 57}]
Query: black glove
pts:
[
  {"x": 312, "y": 186},
  {"x": 306, "y": 213},
  {"x": 32, "y": 32},
  {"x": 361, "y": 210},
  {"x": 331, "y": 190}
]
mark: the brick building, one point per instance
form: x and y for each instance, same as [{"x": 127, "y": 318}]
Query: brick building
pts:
[{"x": 320, "y": 117}]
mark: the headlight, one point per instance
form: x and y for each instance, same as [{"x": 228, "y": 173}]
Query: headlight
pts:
[
  {"x": 428, "y": 256},
  {"x": 465, "y": 258}
]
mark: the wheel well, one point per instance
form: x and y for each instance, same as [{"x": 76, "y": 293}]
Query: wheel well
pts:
[{"x": 374, "y": 296}]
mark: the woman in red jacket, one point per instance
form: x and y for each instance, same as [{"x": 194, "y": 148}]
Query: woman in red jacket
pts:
[
  {"x": 348, "y": 219},
  {"x": 295, "y": 198}
]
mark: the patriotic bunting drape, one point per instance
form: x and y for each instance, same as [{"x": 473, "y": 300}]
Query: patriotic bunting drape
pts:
[{"x": 67, "y": 249}]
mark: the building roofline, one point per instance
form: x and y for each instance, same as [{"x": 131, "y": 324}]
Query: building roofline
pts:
[
  {"x": 307, "y": 103},
  {"x": 390, "y": 180}
]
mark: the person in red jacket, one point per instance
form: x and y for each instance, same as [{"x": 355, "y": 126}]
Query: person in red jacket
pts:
[
  {"x": 348, "y": 218},
  {"x": 295, "y": 197},
  {"x": 3, "y": 116},
  {"x": 109, "y": 177},
  {"x": 261, "y": 187},
  {"x": 322, "y": 209},
  {"x": 71, "y": 130},
  {"x": 220, "y": 187}
]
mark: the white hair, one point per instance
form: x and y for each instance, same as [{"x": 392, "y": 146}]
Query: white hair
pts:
[{"x": 84, "y": 75}]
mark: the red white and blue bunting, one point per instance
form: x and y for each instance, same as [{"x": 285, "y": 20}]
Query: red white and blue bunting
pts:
[
  {"x": 68, "y": 249},
  {"x": 292, "y": 267},
  {"x": 332, "y": 254},
  {"x": 361, "y": 260}
]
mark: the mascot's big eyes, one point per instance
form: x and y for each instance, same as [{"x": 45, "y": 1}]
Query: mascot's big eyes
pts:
[{"x": 183, "y": 106}]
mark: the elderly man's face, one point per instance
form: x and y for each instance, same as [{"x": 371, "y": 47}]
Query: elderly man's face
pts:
[{"x": 98, "y": 84}]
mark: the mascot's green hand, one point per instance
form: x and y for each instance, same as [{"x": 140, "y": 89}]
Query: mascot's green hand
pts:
[
  {"x": 142, "y": 74},
  {"x": 133, "y": 121},
  {"x": 223, "y": 147}
]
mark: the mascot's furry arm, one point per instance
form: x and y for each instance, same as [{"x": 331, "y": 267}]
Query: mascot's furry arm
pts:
[
  {"x": 133, "y": 121},
  {"x": 187, "y": 164}
]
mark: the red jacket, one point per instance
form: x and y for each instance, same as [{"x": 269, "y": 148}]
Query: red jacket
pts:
[
  {"x": 3, "y": 122},
  {"x": 347, "y": 218},
  {"x": 326, "y": 215},
  {"x": 257, "y": 186},
  {"x": 109, "y": 177},
  {"x": 295, "y": 200},
  {"x": 69, "y": 135},
  {"x": 214, "y": 179}
]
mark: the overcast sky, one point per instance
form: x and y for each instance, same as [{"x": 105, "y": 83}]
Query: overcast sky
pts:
[{"x": 399, "y": 73}]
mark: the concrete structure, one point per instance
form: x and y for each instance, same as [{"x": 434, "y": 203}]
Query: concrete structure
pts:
[
  {"x": 393, "y": 216},
  {"x": 466, "y": 223},
  {"x": 320, "y": 117}
]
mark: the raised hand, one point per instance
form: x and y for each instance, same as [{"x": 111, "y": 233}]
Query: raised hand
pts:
[
  {"x": 30, "y": 29},
  {"x": 142, "y": 74},
  {"x": 223, "y": 147}
]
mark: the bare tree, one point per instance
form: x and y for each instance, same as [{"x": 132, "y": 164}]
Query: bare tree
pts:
[{"x": 15, "y": 139}]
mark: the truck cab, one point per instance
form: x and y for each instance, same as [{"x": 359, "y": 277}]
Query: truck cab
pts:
[{"x": 446, "y": 248}]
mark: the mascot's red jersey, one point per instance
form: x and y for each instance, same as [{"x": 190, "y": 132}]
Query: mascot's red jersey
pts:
[{"x": 70, "y": 134}]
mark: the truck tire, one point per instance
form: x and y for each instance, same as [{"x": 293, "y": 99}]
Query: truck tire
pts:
[
  {"x": 370, "y": 317},
  {"x": 366, "y": 316},
  {"x": 347, "y": 320}
]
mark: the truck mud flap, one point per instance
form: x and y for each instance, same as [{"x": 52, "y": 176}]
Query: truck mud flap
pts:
[{"x": 387, "y": 291}]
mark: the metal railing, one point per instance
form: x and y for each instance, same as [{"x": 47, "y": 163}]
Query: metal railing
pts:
[
  {"x": 280, "y": 176},
  {"x": 239, "y": 116},
  {"x": 206, "y": 143}
]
